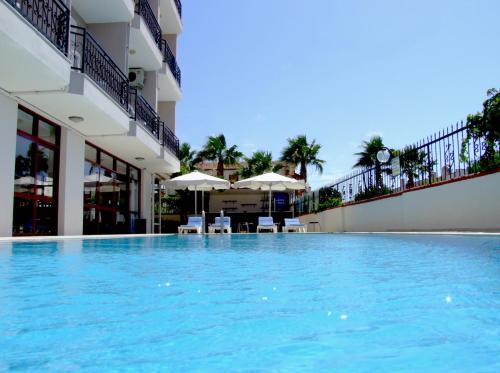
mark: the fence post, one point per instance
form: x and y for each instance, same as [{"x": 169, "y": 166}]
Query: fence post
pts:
[{"x": 429, "y": 163}]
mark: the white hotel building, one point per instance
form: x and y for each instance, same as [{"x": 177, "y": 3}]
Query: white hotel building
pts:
[{"x": 88, "y": 90}]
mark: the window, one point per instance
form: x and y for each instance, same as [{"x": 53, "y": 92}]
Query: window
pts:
[
  {"x": 35, "y": 184},
  {"x": 111, "y": 193}
]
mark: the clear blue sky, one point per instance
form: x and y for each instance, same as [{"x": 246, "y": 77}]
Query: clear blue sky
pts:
[{"x": 339, "y": 71}]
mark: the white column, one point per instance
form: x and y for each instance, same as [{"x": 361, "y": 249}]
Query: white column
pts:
[
  {"x": 71, "y": 169},
  {"x": 8, "y": 124},
  {"x": 146, "y": 198}
]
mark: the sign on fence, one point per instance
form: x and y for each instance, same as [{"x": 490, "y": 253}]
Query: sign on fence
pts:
[{"x": 395, "y": 166}]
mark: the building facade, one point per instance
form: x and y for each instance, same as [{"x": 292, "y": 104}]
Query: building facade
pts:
[{"x": 88, "y": 91}]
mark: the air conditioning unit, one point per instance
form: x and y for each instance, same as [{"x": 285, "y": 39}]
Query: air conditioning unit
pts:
[{"x": 136, "y": 78}]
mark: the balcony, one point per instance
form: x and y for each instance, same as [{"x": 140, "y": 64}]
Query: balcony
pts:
[
  {"x": 145, "y": 38},
  {"x": 90, "y": 59},
  {"x": 171, "y": 16},
  {"x": 169, "y": 78},
  {"x": 96, "y": 102},
  {"x": 34, "y": 40},
  {"x": 150, "y": 138},
  {"x": 109, "y": 11},
  {"x": 143, "y": 113},
  {"x": 169, "y": 141}
]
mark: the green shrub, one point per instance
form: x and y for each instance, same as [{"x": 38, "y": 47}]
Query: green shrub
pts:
[{"x": 371, "y": 193}]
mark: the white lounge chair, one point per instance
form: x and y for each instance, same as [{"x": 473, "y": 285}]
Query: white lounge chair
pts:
[
  {"x": 294, "y": 225},
  {"x": 194, "y": 225},
  {"x": 215, "y": 228},
  {"x": 266, "y": 224}
]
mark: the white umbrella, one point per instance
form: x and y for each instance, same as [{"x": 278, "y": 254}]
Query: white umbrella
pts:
[
  {"x": 197, "y": 181},
  {"x": 271, "y": 181}
]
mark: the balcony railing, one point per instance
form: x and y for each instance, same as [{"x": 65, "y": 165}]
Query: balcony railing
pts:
[
  {"x": 142, "y": 112},
  {"x": 179, "y": 7},
  {"x": 50, "y": 17},
  {"x": 169, "y": 140},
  {"x": 169, "y": 59},
  {"x": 90, "y": 58},
  {"x": 144, "y": 10}
]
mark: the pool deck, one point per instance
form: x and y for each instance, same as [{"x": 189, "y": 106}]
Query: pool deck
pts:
[{"x": 119, "y": 236}]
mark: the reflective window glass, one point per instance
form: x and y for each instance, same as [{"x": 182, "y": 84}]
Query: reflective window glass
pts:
[
  {"x": 121, "y": 167},
  {"x": 106, "y": 161},
  {"x": 25, "y": 164},
  {"x": 47, "y": 132},
  {"x": 25, "y": 122},
  {"x": 91, "y": 179},
  {"x": 90, "y": 153},
  {"x": 45, "y": 172}
]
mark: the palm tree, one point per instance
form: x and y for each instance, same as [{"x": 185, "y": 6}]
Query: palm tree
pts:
[
  {"x": 216, "y": 149},
  {"x": 367, "y": 158},
  {"x": 188, "y": 159},
  {"x": 413, "y": 163},
  {"x": 259, "y": 163},
  {"x": 303, "y": 154}
]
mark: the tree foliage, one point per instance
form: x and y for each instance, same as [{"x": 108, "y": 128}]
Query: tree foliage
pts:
[
  {"x": 259, "y": 163},
  {"x": 367, "y": 158},
  {"x": 216, "y": 149},
  {"x": 485, "y": 125},
  {"x": 303, "y": 154}
]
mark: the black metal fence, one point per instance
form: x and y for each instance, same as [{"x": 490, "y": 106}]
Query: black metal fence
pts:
[
  {"x": 169, "y": 59},
  {"x": 178, "y": 5},
  {"x": 142, "y": 112},
  {"x": 90, "y": 58},
  {"x": 169, "y": 140},
  {"x": 144, "y": 10},
  {"x": 50, "y": 17},
  {"x": 449, "y": 154}
]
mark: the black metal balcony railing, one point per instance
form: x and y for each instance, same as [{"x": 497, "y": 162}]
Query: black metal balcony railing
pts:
[
  {"x": 169, "y": 140},
  {"x": 144, "y": 10},
  {"x": 89, "y": 58},
  {"x": 142, "y": 112},
  {"x": 179, "y": 7},
  {"x": 50, "y": 17},
  {"x": 169, "y": 59}
]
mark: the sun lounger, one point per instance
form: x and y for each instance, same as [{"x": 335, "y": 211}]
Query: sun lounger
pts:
[
  {"x": 215, "y": 228},
  {"x": 266, "y": 224},
  {"x": 294, "y": 225},
  {"x": 194, "y": 225}
]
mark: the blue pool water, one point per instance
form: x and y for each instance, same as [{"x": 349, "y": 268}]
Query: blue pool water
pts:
[{"x": 348, "y": 303}]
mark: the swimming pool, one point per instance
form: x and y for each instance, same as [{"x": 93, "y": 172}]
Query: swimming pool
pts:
[{"x": 322, "y": 302}]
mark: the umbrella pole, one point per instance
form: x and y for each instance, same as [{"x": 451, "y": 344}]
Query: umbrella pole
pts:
[
  {"x": 202, "y": 200},
  {"x": 195, "y": 200},
  {"x": 270, "y": 186}
]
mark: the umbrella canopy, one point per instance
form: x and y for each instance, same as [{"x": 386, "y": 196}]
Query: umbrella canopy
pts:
[
  {"x": 271, "y": 181},
  {"x": 197, "y": 181}
]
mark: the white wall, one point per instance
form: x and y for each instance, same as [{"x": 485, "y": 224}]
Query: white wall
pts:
[
  {"x": 467, "y": 205},
  {"x": 71, "y": 182},
  {"x": 166, "y": 110},
  {"x": 8, "y": 124}
]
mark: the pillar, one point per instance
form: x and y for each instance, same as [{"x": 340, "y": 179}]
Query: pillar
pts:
[
  {"x": 146, "y": 198},
  {"x": 71, "y": 170},
  {"x": 8, "y": 124}
]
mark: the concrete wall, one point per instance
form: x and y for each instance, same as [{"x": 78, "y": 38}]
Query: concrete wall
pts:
[
  {"x": 8, "y": 124},
  {"x": 71, "y": 182},
  {"x": 114, "y": 39},
  {"x": 146, "y": 195},
  {"x": 172, "y": 42},
  {"x": 166, "y": 110},
  {"x": 471, "y": 205},
  {"x": 150, "y": 90}
]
